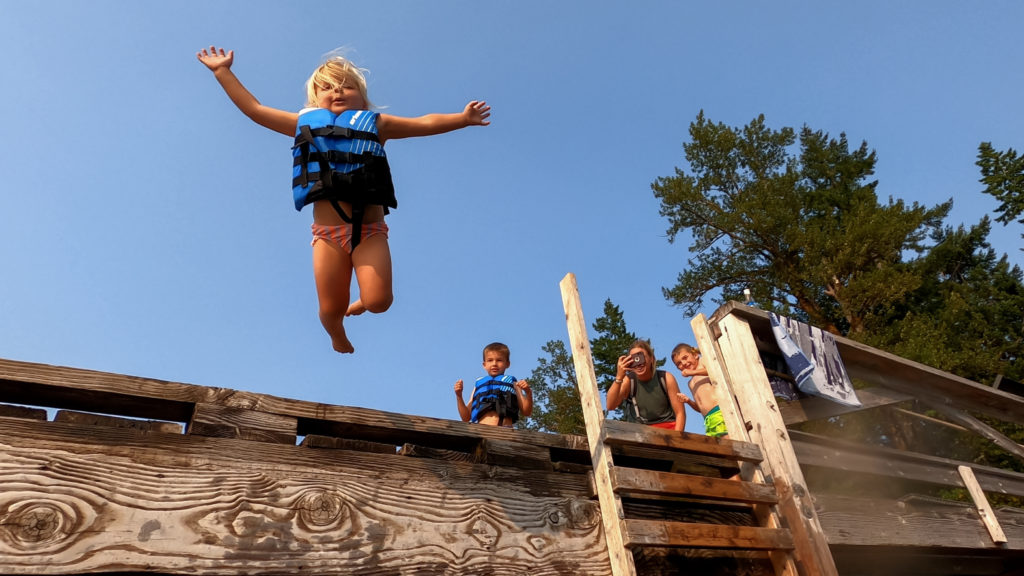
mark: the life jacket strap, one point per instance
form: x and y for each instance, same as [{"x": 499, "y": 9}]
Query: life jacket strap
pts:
[
  {"x": 336, "y": 157},
  {"x": 335, "y": 131}
]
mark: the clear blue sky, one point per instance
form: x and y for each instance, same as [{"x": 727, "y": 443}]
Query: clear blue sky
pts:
[{"x": 146, "y": 225}]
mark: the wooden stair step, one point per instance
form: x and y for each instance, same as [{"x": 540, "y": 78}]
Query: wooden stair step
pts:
[
  {"x": 617, "y": 432},
  {"x": 687, "y": 535},
  {"x": 636, "y": 482}
]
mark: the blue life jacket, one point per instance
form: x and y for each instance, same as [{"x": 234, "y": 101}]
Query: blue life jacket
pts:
[
  {"x": 339, "y": 157},
  {"x": 497, "y": 394}
]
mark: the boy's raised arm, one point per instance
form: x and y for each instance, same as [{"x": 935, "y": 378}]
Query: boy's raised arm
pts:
[{"x": 219, "y": 63}]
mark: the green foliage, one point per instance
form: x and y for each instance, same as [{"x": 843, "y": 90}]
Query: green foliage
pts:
[
  {"x": 556, "y": 399},
  {"x": 802, "y": 228},
  {"x": 965, "y": 315},
  {"x": 1002, "y": 173},
  {"x": 612, "y": 341}
]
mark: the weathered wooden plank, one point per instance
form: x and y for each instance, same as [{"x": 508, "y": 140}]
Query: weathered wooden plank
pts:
[
  {"x": 90, "y": 391},
  {"x": 621, "y": 560},
  {"x": 186, "y": 450},
  {"x": 436, "y": 453},
  {"x": 923, "y": 525},
  {"x": 619, "y": 432},
  {"x": 9, "y": 411},
  {"x": 515, "y": 454},
  {"x": 985, "y": 512},
  {"x": 892, "y": 561},
  {"x": 756, "y": 402},
  {"x": 648, "y": 482},
  {"x": 119, "y": 395},
  {"x": 185, "y": 504},
  {"x": 315, "y": 441},
  {"x": 652, "y": 533},
  {"x": 91, "y": 419},
  {"x": 815, "y": 408},
  {"x": 912, "y": 378},
  {"x": 783, "y": 562},
  {"x": 227, "y": 422},
  {"x": 977, "y": 426},
  {"x": 843, "y": 455}
]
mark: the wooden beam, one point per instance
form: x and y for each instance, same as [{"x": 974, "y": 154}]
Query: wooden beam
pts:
[
  {"x": 228, "y": 422},
  {"x": 757, "y": 404},
  {"x": 593, "y": 413},
  {"x": 844, "y": 455},
  {"x": 649, "y": 482},
  {"x": 655, "y": 533},
  {"x": 921, "y": 526},
  {"x": 134, "y": 397},
  {"x": 976, "y": 426},
  {"x": 783, "y": 563},
  {"x": 988, "y": 517}
]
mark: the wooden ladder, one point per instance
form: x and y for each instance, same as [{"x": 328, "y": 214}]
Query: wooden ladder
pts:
[{"x": 613, "y": 483}]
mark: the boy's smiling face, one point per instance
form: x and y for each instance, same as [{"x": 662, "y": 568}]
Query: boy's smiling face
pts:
[
  {"x": 686, "y": 360},
  {"x": 495, "y": 363}
]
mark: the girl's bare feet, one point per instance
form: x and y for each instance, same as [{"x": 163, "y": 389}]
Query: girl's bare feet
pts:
[
  {"x": 356, "y": 308},
  {"x": 341, "y": 343}
]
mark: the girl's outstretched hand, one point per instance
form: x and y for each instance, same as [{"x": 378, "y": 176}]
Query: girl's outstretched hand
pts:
[
  {"x": 476, "y": 113},
  {"x": 214, "y": 60}
]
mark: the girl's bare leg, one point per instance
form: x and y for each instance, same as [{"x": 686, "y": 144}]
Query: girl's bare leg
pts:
[
  {"x": 332, "y": 269},
  {"x": 372, "y": 263}
]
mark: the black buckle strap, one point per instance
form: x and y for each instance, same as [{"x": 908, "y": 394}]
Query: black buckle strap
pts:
[
  {"x": 334, "y": 131},
  {"x": 335, "y": 157}
]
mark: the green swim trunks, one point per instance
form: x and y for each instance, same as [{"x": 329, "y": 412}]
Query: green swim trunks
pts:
[{"x": 714, "y": 423}]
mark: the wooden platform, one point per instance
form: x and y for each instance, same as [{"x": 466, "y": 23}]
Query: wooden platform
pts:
[{"x": 103, "y": 472}]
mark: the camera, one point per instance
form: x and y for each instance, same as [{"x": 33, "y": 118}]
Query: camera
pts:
[{"x": 637, "y": 360}]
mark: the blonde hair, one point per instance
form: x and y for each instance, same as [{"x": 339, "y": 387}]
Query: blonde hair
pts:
[{"x": 336, "y": 71}]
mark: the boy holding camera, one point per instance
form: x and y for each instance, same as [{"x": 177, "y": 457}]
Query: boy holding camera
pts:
[{"x": 647, "y": 395}]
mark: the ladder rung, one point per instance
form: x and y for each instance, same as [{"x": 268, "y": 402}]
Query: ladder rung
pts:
[
  {"x": 687, "y": 535},
  {"x": 633, "y": 481},
  {"x": 622, "y": 433}
]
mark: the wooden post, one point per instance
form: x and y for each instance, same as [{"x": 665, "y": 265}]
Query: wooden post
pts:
[
  {"x": 611, "y": 505},
  {"x": 737, "y": 428},
  {"x": 757, "y": 404},
  {"x": 988, "y": 516}
]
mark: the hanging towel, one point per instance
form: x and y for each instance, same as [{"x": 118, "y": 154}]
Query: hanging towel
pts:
[{"x": 813, "y": 359}]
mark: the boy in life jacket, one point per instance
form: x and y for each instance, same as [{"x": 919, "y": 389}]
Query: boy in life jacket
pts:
[
  {"x": 497, "y": 399},
  {"x": 339, "y": 167},
  {"x": 687, "y": 359},
  {"x": 647, "y": 395}
]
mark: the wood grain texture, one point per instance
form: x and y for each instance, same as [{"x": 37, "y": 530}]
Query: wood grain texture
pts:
[
  {"x": 96, "y": 508},
  {"x": 650, "y": 533},
  {"x": 923, "y": 525}
]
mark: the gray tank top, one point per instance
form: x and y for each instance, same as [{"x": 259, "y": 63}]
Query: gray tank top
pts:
[{"x": 651, "y": 400}]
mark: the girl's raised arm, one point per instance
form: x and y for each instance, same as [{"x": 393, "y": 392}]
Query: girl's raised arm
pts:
[
  {"x": 395, "y": 127},
  {"x": 220, "y": 64}
]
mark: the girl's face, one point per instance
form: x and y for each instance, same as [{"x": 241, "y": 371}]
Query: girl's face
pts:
[{"x": 339, "y": 98}]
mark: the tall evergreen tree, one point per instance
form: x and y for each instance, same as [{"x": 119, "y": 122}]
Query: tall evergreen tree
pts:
[
  {"x": 1002, "y": 173},
  {"x": 801, "y": 228}
]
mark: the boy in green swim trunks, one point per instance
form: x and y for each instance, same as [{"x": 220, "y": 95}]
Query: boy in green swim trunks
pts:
[{"x": 687, "y": 360}]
